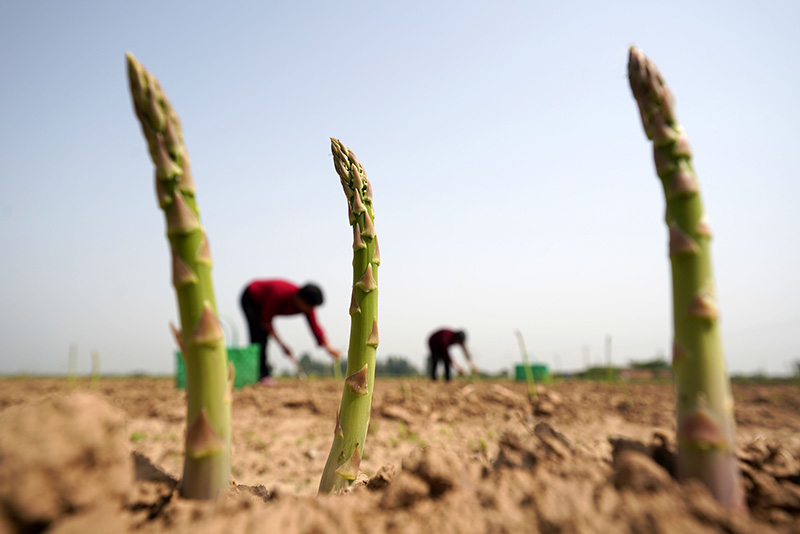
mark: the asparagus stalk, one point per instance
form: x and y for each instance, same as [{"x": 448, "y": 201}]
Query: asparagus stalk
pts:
[
  {"x": 705, "y": 422},
  {"x": 352, "y": 418},
  {"x": 209, "y": 378},
  {"x": 532, "y": 394}
]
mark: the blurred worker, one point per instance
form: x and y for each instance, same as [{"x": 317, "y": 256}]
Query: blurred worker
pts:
[
  {"x": 262, "y": 300},
  {"x": 439, "y": 343}
]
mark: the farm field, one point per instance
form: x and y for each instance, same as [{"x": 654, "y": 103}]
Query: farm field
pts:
[{"x": 445, "y": 457}]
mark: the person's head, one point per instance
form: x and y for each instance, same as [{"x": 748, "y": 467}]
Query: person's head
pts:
[
  {"x": 459, "y": 336},
  {"x": 309, "y": 296}
]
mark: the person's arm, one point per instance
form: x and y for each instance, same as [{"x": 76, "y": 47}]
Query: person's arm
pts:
[
  {"x": 454, "y": 365},
  {"x": 332, "y": 351},
  {"x": 319, "y": 335},
  {"x": 274, "y": 334},
  {"x": 468, "y": 356}
]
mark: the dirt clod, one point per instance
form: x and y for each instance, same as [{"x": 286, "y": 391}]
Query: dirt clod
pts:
[{"x": 60, "y": 456}]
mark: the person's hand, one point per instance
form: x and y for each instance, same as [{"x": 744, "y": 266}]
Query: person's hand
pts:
[
  {"x": 288, "y": 352},
  {"x": 334, "y": 354},
  {"x": 459, "y": 369}
]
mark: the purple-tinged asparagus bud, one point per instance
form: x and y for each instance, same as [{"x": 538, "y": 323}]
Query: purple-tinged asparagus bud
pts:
[
  {"x": 704, "y": 228},
  {"x": 337, "y": 431},
  {"x": 182, "y": 275},
  {"x": 203, "y": 255},
  {"x": 680, "y": 242},
  {"x": 201, "y": 439},
  {"x": 373, "y": 339},
  {"x": 353, "y": 303},
  {"x": 667, "y": 103},
  {"x": 682, "y": 149},
  {"x": 683, "y": 183},
  {"x": 679, "y": 354},
  {"x": 162, "y": 195},
  {"x": 376, "y": 258},
  {"x": 177, "y": 335},
  {"x": 349, "y": 469},
  {"x": 137, "y": 81},
  {"x": 665, "y": 165},
  {"x": 369, "y": 227},
  {"x": 357, "y": 204},
  {"x": 358, "y": 181},
  {"x": 701, "y": 429},
  {"x": 208, "y": 330},
  {"x": 367, "y": 282},
  {"x": 172, "y": 139},
  {"x": 703, "y": 306},
  {"x": 185, "y": 180},
  {"x": 663, "y": 133},
  {"x": 348, "y": 192},
  {"x": 154, "y": 113},
  {"x": 180, "y": 218},
  {"x": 358, "y": 241},
  {"x": 341, "y": 170},
  {"x": 231, "y": 378},
  {"x": 165, "y": 167},
  {"x": 368, "y": 194},
  {"x": 358, "y": 381},
  {"x": 353, "y": 159}
]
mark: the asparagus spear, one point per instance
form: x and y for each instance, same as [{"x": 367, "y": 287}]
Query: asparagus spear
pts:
[
  {"x": 209, "y": 378},
  {"x": 352, "y": 419},
  {"x": 705, "y": 426},
  {"x": 532, "y": 394}
]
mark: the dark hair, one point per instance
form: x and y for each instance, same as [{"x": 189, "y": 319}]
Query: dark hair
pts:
[
  {"x": 311, "y": 294},
  {"x": 460, "y": 336}
]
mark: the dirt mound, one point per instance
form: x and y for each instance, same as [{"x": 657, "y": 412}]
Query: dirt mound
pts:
[{"x": 61, "y": 456}]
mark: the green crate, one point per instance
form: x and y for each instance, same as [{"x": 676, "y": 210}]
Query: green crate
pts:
[
  {"x": 540, "y": 373},
  {"x": 245, "y": 361}
]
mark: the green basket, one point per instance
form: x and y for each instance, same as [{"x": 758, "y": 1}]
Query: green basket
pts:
[
  {"x": 245, "y": 360},
  {"x": 540, "y": 373}
]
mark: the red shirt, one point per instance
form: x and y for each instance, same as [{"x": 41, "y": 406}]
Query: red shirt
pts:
[
  {"x": 441, "y": 340},
  {"x": 278, "y": 297}
]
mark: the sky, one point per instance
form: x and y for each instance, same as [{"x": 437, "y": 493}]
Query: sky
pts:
[{"x": 514, "y": 187}]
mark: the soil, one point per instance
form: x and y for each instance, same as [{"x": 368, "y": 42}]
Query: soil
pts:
[{"x": 446, "y": 457}]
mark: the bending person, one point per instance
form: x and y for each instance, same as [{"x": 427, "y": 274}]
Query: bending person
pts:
[
  {"x": 440, "y": 343},
  {"x": 263, "y": 300}
]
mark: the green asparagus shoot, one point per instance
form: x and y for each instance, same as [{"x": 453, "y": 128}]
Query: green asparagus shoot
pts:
[
  {"x": 529, "y": 379},
  {"x": 352, "y": 418},
  {"x": 209, "y": 377},
  {"x": 705, "y": 422}
]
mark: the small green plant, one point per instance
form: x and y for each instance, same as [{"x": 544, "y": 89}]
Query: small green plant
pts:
[
  {"x": 137, "y": 436},
  {"x": 705, "y": 426},
  {"x": 532, "y": 394},
  {"x": 209, "y": 378},
  {"x": 352, "y": 418}
]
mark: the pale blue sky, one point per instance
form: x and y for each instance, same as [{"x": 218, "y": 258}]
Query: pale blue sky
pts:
[{"x": 514, "y": 186}]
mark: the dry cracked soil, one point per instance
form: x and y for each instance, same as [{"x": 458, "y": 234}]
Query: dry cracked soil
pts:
[{"x": 447, "y": 457}]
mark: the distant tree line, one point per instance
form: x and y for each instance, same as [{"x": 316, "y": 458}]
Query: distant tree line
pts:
[{"x": 391, "y": 366}]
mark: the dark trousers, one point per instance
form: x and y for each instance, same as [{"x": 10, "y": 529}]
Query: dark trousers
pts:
[
  {"x": 258, "y": 334},
  {"x": 442, "y": 357}
]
